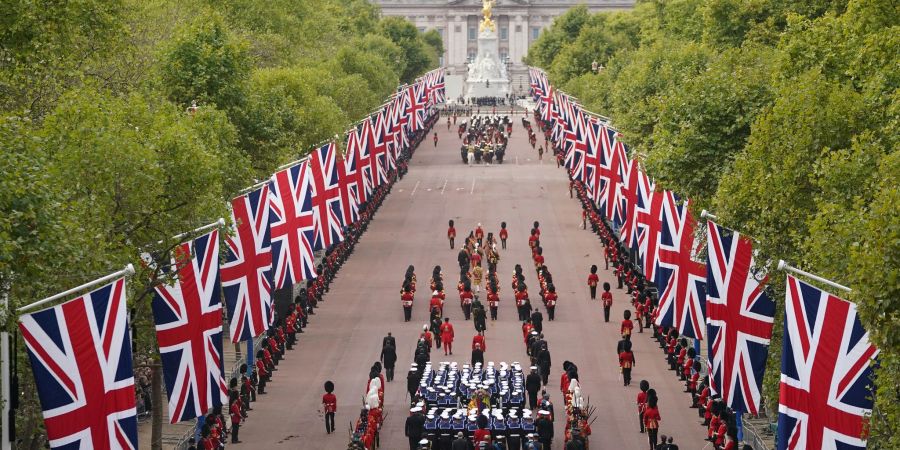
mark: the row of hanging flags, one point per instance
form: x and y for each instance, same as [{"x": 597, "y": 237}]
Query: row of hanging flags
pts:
[
  {"x": 80, "y": 351},
  {"x": 826, "y": 386}
]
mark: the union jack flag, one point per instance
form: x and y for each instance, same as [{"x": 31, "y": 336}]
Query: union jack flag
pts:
[
  {"x": 637, "y": 189},
  {"x": 826, "y": 391},
  {"x": 538, "y": 83},
  {"x": 358, "y": 163},
  {"x": 326, "y": 199},
  {"x": 681, "y": 280},
  {"x": 612, "y": 163},
  {"x": 247, "y": 272},
  {"x": 379, "y": 148},
  {"x": 739, "y": 318},
  {"x": 291, "y": 224},
  {"x": 648, "y": 218},
  {"x": 415, "y": 106},
  {"x": 188, "y": 316},
  {"x": 434, "y": 87},
  {"x": 592, "y": 158},
  {"x": 349, "y": 202},
  {"x": 576, "y": 141},
  {"x": 80, "y": 354}
]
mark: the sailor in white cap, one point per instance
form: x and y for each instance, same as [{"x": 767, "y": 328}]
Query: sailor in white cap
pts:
[{"x": 415, "y": 427}]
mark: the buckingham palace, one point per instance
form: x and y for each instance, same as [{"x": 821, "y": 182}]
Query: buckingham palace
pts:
[{"x": 519, "y": 23}]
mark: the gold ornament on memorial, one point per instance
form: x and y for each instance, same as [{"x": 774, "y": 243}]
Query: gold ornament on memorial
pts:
[{"x": 486, "y": 22}]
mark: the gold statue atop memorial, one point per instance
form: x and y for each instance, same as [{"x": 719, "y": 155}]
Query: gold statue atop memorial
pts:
[{"x": 487, "y": 23}]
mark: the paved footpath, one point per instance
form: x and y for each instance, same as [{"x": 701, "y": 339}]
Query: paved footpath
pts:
[{"x": 344, "y": 338}]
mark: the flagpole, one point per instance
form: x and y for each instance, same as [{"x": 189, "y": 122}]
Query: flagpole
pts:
[
  {"x": 5, "y": 394},
  {"x": 254, "y": 187},
  {"x": 783, "y": 265},
  {"x": 127, "y": 271},
  {"x": 217, "y": 224}
]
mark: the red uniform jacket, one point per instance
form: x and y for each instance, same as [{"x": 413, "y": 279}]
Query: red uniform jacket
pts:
[
  {"x": 521, "y": 296},
  {"x": 626, "y": 360},
  {"x": 451, "y": 232},
  {"x": 493, "y": 299},
  {"x": 479, "y": 339},
  {"x": 479, "y": 233},
  {"x": 329, "y": 402},
  {"x": 235, "y": 412},
  {"x": 436, "y": 303},
  {"x": 606, "y": 297},
  {"x": 503, "y": 234},
  {"x": 627, "y": 326},
  {"x": 651, "y": 418},
  {"x": 407, "y": 298},
  {"x": 642, "y": 401},
  {"x": 446, "y": 332},
  {"x": 465, "y": 297},
  {"x": 593, "y": 279},
  {"x": 550, "y": 299}
]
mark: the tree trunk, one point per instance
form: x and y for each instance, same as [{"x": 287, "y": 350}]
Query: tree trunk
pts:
[{"x": 157, "y": 413}]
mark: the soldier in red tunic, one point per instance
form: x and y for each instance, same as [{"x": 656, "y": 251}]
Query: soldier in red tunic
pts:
[
  {"x": 504, "y": 234},
  {"x": 493, "y": 298},
  {"x": 329, "y": 406},
  {"x": 479, "y": 234},
  {"x": 406, "y": 299},
  {"x": 550, "y": 301},
  {"x": 607, "y": 300},
  {"x": 465, "y": 300},
  {"x": 447, "y": 335},
  {"x": 592, "y": 282},
  {"x": 627, "y": 325},
  {"x": 451, "y": 234}
]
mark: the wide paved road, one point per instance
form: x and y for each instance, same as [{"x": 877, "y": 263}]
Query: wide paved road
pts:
[{"x": 344, "y": 338}]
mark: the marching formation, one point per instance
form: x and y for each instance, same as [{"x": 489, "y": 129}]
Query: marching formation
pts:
[
  {"x": 649, "y": 237},
  {"x": 483, "y": 138}
]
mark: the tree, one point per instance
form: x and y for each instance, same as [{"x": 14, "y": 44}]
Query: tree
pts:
[
  {"x": 207, "y": 64},
  {"x": 418, "y": 55}
]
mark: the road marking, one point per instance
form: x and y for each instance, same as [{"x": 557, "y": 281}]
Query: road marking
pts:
[
  {"x": 428, "y": 190},
  {"x": 414, "y": 189},
  {"x": 473, "y": 187},
  {"x": 444, "y": 186}
]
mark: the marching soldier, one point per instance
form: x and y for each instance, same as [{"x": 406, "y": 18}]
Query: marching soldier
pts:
[
  {"x": 451, "y": 234},
  {"x": 627, "y": 325},
  {"x": 537, "y": 320},
  {"x": 406, "y": 299},
  {"x": 592, "y": 281},
  {"x": 479, "y": 234},
  {"x": 329, "y": 406},
  {"x": 522, "y": 302},
  {"x": 550, "y": 299},
  {"x": 479, "y": 316},
  {"x": 465, "y": 300},
  {"x": 607, "y": 299},
  {"x": 504, "y": 234},
  {"x": 626, "y": 362},
  {"x": 493, "y": 298}
]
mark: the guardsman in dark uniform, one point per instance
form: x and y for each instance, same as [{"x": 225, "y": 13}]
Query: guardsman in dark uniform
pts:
[
  {"x": 592, "y": 282},
  {"x": 504, "y": 234},
  {"x": 479, "y": 316},
  {"x": 389, "y": 357},
  {"x": 532, "y": 386}
]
